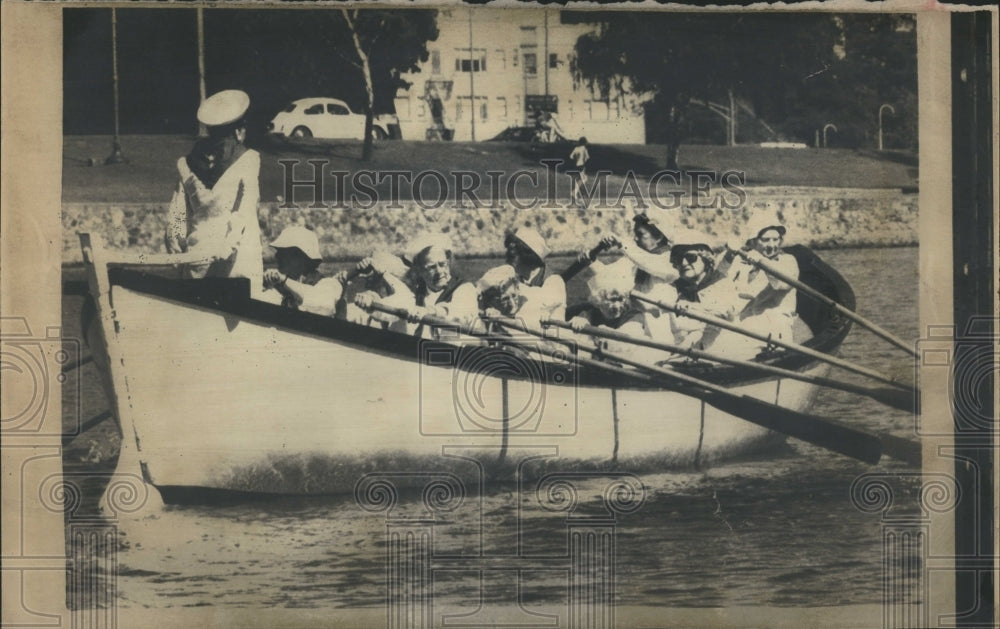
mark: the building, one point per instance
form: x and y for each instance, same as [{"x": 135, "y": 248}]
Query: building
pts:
[{"x": 493, "y": 69}]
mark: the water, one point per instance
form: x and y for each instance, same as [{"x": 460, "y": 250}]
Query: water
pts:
[{"x": 780, "y": 531}]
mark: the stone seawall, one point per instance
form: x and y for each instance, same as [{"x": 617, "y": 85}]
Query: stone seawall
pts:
[{"x": 818, "y": 217}]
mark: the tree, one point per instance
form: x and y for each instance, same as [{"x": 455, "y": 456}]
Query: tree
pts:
[
  {"x": 795, "y": 70},
  {"x": 386, "y": 44}
]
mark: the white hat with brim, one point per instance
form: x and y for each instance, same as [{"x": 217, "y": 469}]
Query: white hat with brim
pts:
[
  {"x": 223, "y": 108},
  {"x": 664, "y": 221},
  {"x": 761, "y": 221},
  {"x": 298, "y": 237},
  {"x": 497, "y": 278},
  {"x": 422, "y": 243},
  {"x": 609, "y": 278},
  {"x": 532, "y": 240},
  {"x": 386, "y": 263}
]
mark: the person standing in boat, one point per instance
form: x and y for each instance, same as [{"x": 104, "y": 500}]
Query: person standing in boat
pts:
[
  {"x": 214, "y": 208},
  {"x": 297, "y": 280},
  {"x": 436, "y": 289},
  {"x": 770, "y": 304}
]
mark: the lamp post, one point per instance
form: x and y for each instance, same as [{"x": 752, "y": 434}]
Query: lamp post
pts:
[
  {"x": 202, "y": 131},
  {"x": 880, "y": 110},
  {"x": 116, "y": 156},
  {"x": 827, "y": 126}
]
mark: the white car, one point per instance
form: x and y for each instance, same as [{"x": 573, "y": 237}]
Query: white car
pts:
[{"x": 327, "y": 118}]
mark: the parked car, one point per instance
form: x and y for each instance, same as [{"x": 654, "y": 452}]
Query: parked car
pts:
[{"x": 327, "y": 118}]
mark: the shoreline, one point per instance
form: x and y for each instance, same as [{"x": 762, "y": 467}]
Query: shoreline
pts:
[{"x": 821, "y": 218}]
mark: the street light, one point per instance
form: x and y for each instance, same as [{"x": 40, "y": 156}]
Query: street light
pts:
[
  {"x": 880, "y": 110},
  {"x": 116, "y": 156},
  {"x": 828, "y": 125}
]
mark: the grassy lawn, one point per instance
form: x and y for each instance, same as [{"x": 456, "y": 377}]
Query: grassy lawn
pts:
[{"x": 150, "y": 174}]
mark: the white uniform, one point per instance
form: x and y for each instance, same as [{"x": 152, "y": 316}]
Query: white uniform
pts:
[{"x": 221, "y": 221}]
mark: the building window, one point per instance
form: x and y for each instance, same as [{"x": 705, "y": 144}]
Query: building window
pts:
[
  {"x": 464, "y": 64},
  {"x": 502, "y": 107},
  {"x": 530, "y": 63},
  {"x": 513, "y": 58},
  {"x": 483, "y": 109},
  {"x": 421, "y": 109},
  {"x": 529, "y": 35},
  {"x": 553, "y": 60},
  {"x": 614, "y": 110},
  {"x": 501, "y": 59},
  {"x": 435, "y": 62}
]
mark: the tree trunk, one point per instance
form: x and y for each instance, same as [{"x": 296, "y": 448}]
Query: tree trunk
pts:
[
  {"x": 675, "y": 118},
  {"x": 366, "y": 71}
]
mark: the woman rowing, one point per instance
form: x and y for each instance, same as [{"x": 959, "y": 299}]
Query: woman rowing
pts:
[
  {"x": 650, "y": 258},
  {"x": 769, "y": 304},
  {"x": 383, "y": 273},
  {"x": 701, "y": 287},
  {"x": 436, "y": 289},
  {"x": 545, "y": 294},
  {"x": 296, "y": 282}
]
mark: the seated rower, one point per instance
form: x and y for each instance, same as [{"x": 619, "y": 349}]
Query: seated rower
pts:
[
  {"x": 650, "y": 257},
  {"x": 436, "y": 289},
  {"x": 610, "y": 306},
  {"x": 700, "y": 287},
  {"x": 296, "y": 281},
  {"x": 526, "y": 252},
  {"x": 383, "y": 274},
  {"x": 770, "y": 303}
]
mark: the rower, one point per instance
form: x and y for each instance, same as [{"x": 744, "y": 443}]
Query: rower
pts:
[
  {"x": 650, "y": 256},
  {"x": 297, "y": 280},
  {"x": 610, "y": 306},
  {"x": 526, "y": 251},
  {"x": 701, "y": 287},
  {"x": 383, "y": 273},
  {"x": 436, "y": 289},
  {"x": 769, "y": 303}
]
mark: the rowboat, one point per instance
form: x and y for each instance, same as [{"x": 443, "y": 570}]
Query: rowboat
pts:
[{"x": 217, "y": 391}]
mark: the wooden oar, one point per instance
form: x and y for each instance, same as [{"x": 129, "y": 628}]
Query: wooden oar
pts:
[
  {"x": 902, "y": 400},
  {"x": 819, "y": 431},
  {"x": 815, "y": 294},
  {"x": 801, "y": 349},
  {"x": 582, "y": 263}
]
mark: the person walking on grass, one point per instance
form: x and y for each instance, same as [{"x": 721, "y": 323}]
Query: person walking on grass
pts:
[{"x": 578, "y": 158}]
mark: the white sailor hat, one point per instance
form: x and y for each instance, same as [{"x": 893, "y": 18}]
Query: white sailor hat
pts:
[
  {"x": 497, "y": 278},
  {"x": 609, "y": 278},
  {"x": 691, "y": 240},
  {"x": 301, "y": 238},
  {"x": 762, "y": 220},
  {"x": 530, "y": 239},
  {"x": 664, "y": 221},
  {"x": 223, "y": 108},
  {"x": 422, "y": 243},
  {"x": 385, "y": 263}
]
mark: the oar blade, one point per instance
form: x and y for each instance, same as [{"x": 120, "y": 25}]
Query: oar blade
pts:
[
  {"x": 818, "y": 431},
  {"x": 904, "y": 400}
]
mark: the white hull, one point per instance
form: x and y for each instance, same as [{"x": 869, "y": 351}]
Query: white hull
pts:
[
  {"x": 216, "y": 401},
  {"x": 213, "y": 390}
]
